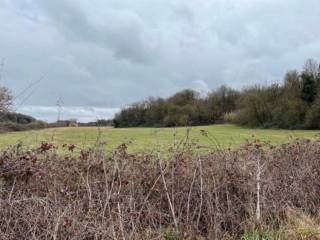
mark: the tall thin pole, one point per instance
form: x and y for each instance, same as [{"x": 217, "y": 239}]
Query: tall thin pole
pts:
[{"x": 59, "y": 106}]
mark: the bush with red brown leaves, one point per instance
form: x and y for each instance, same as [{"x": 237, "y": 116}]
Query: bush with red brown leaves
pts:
[{"x": 120, "y": 196}]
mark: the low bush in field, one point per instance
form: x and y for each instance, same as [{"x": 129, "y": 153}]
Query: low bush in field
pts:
[
  {"x": 11, "y": 121},
  {"x": 12, "y": 126},
  {"x": 227, "y": 194}
]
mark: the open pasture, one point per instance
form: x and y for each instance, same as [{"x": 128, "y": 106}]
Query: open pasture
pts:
[{"x": 140, "y": 139}]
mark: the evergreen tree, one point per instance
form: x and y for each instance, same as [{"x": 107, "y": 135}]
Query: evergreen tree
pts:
[
  {"x": 309, "y": 91},
  {"x": 312, "y": 120}
]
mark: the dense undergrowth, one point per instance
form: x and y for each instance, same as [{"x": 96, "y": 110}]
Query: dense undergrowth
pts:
[{"x": 255, "y": 192}]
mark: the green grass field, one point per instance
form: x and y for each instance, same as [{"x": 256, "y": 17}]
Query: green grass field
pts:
[{"x": 147, "y": 138}]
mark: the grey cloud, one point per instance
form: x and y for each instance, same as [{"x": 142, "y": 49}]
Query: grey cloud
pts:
[
  {"x": 108, "y": 53},
  {"x": 121, "y": 31},
  {"x": 185, "y": 13},
  {"x": 82, "y": 114}
]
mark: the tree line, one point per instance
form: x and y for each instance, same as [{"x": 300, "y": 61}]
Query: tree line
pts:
[
  {"x": 12, "y": 121},
  {"x": 292, "y": 104}
]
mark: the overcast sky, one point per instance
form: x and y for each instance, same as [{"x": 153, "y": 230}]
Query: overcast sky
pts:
[{"x": 99, "y": 55}]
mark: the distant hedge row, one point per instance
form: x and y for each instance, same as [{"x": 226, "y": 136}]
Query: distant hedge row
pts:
[
  {"x": 10, "y": 121},
  {"x": 295, "y": 103}
]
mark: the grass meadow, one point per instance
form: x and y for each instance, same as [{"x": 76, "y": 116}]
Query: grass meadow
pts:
[
  {"x": 247, "y": 193},
  {"x": 142, "y": 139},
  {"x": 246, "y": 190}
]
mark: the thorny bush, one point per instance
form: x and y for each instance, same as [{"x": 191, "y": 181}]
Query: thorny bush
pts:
[{"x": 44, "y": 195}]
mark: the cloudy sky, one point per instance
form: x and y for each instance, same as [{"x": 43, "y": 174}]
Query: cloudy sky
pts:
[{"x": 99, "y": 55}]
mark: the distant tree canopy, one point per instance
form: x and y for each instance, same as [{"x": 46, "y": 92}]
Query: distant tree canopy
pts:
[
  {"x": 16, "y": 118},
  {"x": 293, "y": 104},
  {"x": 10, "y": 121},
  {"x": 183, "y": 108}
]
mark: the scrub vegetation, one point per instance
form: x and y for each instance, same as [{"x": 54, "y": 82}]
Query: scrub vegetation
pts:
[
  {"x": 293, "y": 104},
  {"x": 257, "y": 191}
]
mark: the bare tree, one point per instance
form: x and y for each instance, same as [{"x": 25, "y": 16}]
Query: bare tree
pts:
[
  {"x": 311, "y": 67},
  {"x": 5, "y": 99}
]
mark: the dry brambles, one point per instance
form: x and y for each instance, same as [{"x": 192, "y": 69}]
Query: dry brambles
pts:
[{"x": 179, "y": 195}]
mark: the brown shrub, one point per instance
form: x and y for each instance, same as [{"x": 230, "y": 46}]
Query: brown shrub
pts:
[{"x": 120, "y": 196}]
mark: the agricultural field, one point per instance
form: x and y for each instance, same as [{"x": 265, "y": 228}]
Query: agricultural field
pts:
[{"x": 141, "y": 139}]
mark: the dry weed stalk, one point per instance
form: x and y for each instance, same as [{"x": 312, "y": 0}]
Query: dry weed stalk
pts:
[{"x": 148, "y": 196}]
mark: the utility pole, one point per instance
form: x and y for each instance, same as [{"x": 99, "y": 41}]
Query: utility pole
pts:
[{"x": 59, "y": 107}]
